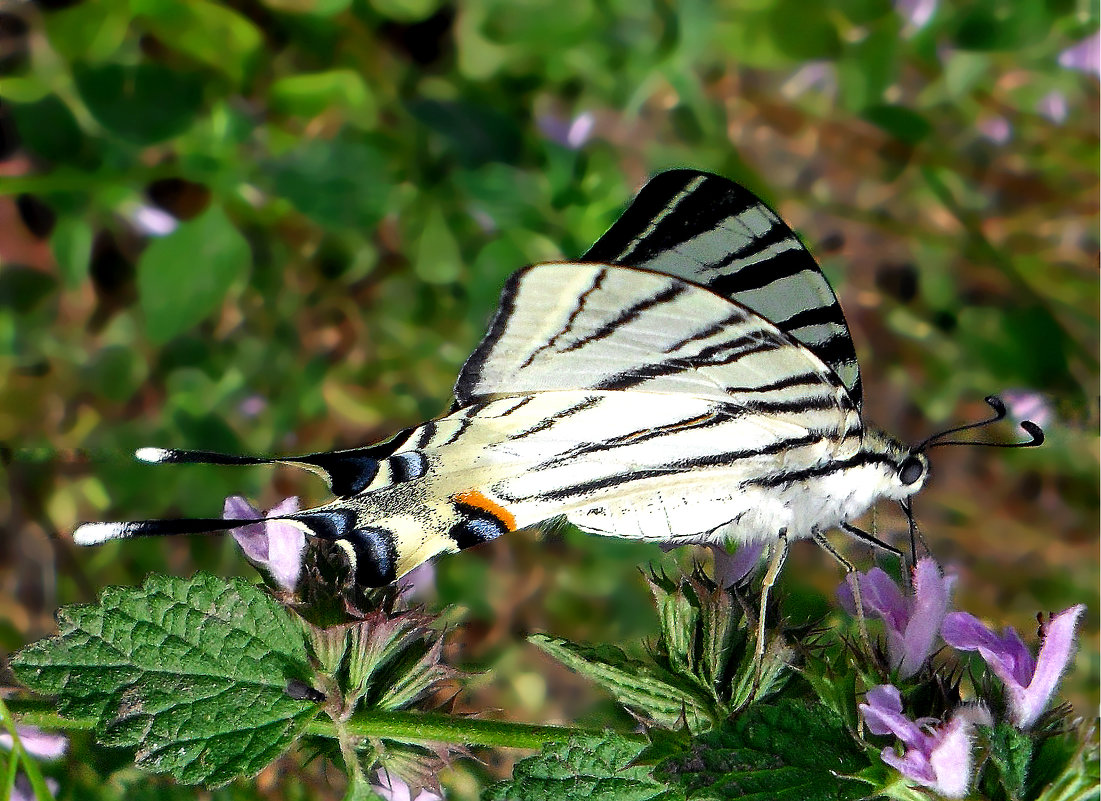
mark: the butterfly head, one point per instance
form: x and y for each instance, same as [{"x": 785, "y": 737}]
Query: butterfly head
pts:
[{"x": 901, "y": 470}]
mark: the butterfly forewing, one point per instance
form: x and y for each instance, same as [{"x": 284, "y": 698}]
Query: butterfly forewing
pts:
[
  {"x": 593, "y": 326},
  {"x": 715, "y": 233}
]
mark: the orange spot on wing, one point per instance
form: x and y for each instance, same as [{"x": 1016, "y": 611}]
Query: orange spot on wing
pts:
[{"x": 480, "y": 501}]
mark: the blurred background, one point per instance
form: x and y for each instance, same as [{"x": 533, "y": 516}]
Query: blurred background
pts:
[{"x": 280, "y": 226}]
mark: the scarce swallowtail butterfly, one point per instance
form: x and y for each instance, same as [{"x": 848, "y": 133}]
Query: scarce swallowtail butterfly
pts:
[{"x": 691, "y": 379}]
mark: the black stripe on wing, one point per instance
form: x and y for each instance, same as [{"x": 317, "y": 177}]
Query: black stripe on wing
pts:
[
  {"x": 724, "y": 459},
  {"x": 713, "y": 232}
]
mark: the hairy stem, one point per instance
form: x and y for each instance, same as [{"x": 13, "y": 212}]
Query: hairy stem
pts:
[{"x": 410, "y": 727}]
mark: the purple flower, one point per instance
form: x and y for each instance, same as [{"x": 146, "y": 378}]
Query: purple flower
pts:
[
  {"x": 1029, "y": 682},
  {"x": 37, "y": 743},
  {"x": 817, "y": 75},
  {"x": 996, "y": 129},
  {"x": 273, "y": 546},
  {"x": 1024, "y": 404},
  {"x": 731, "y": 568},
  {"x": 391, "y": 788},
  {"x": 419, "y": 581},
  {"x": 568, "y": 133},
  {"x": 151, "y": 221},
  {"x": 912, "y": 621},
  {"x": 1084, "y": 56},
  {"x": 1053, "y": 105},
  {"x": 22, "y": 791},
  {"x": 916, "y": 12},
  {"x": 935, "y": 755}
]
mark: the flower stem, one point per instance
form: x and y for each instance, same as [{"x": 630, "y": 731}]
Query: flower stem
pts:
[
  {"x": 427, "y": 727},
  {"x": 410, "y": 727}
]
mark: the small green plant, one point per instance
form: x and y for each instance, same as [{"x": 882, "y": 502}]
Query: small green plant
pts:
[{"x": 209, "y": 679}]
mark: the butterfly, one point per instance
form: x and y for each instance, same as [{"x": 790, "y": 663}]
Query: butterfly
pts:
[{"x": 691, "y": 379}]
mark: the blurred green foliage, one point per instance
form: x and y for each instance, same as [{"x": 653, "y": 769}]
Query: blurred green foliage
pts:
[{"x": 281, "y": 225}]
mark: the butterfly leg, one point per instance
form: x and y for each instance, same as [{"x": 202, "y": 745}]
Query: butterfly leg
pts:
[
  {"x": 850, "y": 574},
  {"x": 775, "y": 563}
]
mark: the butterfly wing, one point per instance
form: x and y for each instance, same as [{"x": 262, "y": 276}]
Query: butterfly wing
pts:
[
  {"x": 591, "y": 326},
  {"x": 715, "y": 233}
]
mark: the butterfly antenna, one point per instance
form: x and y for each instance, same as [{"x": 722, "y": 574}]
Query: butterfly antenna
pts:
[{"x": 1035, "y": 433}]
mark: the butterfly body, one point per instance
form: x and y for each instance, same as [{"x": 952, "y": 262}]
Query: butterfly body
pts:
[{"x": 691, "y": 380}]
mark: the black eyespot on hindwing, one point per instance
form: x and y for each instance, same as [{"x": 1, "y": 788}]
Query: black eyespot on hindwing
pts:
[{"x": 376, "y": 556}]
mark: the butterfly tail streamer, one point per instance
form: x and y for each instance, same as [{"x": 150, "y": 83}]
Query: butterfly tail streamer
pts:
[{"x": 393, "y": 515}]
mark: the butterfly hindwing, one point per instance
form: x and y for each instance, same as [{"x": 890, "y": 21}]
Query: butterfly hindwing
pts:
[{"x": 636, "y": 464}]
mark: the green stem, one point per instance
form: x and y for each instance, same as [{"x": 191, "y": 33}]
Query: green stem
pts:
[
  {"x": 411, "y": 727},
  {"x": 428, "y": 727}
]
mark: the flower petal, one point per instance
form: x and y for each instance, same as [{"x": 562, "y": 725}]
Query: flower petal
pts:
[
  {"x": 286, "y": 542},
  {"x": 1026, "y": 704},
  {"x": 883, "y": 597},
  {"x": 730, "y": 568},
  {"x": 36, "y": 742},
  {"x": 929, "y": 605},
  {"x": 950, "y": 758},
  {"x": 913, "y": 765},
  {"x": 1006, "y": 655},
  {"x": 883, "y": 714},
  {"x": 274, "y": 546}
]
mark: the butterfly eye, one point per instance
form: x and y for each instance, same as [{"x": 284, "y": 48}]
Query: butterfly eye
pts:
[{"x": 911, "y": 470}]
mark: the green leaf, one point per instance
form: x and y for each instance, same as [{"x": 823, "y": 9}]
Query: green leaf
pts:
[
  {"x": 339, "y": 183},
  {"x": 1003, "y": 25},
  {"x": 88, "y": 31},
  {"x": 49, "y": 129},
  {"x": 210, "y": 33},
  {"x": 475, "y": 132},
  {"x": 804, "y": 31},
  {"x": 309, "y": 94},
  {"x": 593, "y": 768},
  {"x": 641, "y": 686},
  {"x": 71, "y": 244},
  {"x": 1011, "y": 753},
  {"x": 405, "y": 10},
  {"x": 1080, "y": 778},
  {"x": 868, "y": 67},
  {"x": 359, "y": 789},
  {"x": 900, "y": 122},
  {"x": 184, "y": 276},
  {"x": 115, "y": 372},
  {"x": 438, "y": 260},
  {"x": 191, "y": 672},
  {"x": 22, "y": 289},
  {"x": 786, "y": 751},
  {"x": 142, "y": 103}
]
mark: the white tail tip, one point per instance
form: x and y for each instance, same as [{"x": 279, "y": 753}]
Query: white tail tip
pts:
[
  {"x": 153, "y": 455},
  {"x": 96, "y": 533}
]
